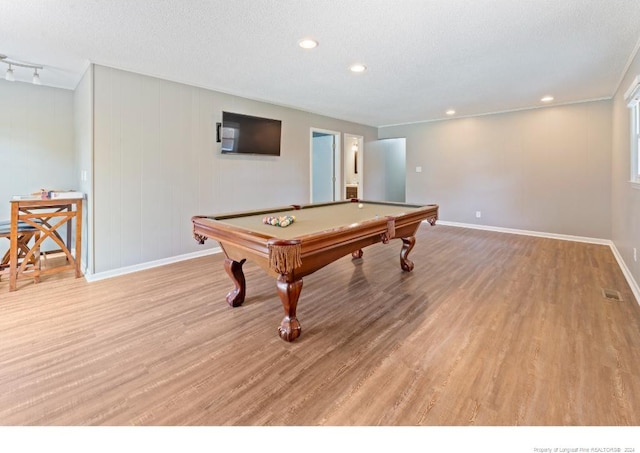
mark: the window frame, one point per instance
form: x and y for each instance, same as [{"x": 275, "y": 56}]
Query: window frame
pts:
[{"x": 632, "y": 99}]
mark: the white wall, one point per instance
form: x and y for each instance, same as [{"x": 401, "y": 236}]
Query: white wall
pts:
[
  {"x": 36, "y": 144},
  {"x": 156, "y": 164},
  {"x": 385, "y": 170},
  {"x": 545, "y": 169},
  {"x": 36, "y": 141},
  {"x": 323, "y": 168},
  {"x": 83, "y": 125},
  {"x": 625, "y": 200},
  {"x": 395, "y": 170}
]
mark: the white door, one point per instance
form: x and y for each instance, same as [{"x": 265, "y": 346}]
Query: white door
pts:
[
  {"x": 323, "y": 167},
  {"x": 386, "y": 170}
]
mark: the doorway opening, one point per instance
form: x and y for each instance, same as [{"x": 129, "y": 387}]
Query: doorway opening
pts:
[
  {"x": 326, "y": 158},
  {"x": 353, "y": 166}
]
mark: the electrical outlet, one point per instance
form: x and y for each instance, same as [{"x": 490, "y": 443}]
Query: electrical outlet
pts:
[
  {"x": 418, "y": 169},
  {"x": 478, "y": 214}
]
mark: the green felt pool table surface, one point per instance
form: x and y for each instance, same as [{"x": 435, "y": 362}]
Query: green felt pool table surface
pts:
[{"x": 314, "y": 219}]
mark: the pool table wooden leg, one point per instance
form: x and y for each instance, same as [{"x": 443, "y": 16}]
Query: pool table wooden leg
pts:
[
  {"x": 407, "y": 245},
  {"x": 289, "y": 292},
  {"x": 235, "y": 298}
]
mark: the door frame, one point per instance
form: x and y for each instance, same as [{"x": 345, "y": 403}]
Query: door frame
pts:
[{"x": 337, "y": 162}]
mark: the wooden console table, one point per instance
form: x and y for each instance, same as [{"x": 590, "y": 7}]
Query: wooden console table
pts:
[{"x": 46, "y": 216}]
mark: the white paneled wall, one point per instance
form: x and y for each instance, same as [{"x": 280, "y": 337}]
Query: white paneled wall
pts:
[
  {"x": 157, "y": 163},
  {"x": 36, "y": 141},
  {"x": 36, "y": 144}
]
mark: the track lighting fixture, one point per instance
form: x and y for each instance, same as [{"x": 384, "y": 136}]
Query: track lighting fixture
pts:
[{"x": 10, "y": 76}]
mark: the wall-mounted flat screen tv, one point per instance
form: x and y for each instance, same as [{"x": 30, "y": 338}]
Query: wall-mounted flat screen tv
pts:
[{"x": 245, "y": 134}]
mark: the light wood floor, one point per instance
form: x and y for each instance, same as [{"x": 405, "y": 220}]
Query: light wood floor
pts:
[{"x": 489, "y": 329}]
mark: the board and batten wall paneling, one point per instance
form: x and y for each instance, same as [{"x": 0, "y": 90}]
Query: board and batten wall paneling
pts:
[
  {"x": 625, "y": 199},
  {"x": 545, "y": 169},
  {"x": 145, "y": 179},
  {"x": 36, "y": 141},
  {"x": 156, "y": 164}
]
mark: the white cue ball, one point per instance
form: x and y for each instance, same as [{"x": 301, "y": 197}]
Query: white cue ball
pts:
[{"x": 361, "y": 206}]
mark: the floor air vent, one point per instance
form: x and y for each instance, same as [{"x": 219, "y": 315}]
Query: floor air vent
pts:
[{"x": 611, "y": 294}]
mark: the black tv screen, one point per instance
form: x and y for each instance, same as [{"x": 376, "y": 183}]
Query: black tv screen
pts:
[{"x": 244, "y": 134}]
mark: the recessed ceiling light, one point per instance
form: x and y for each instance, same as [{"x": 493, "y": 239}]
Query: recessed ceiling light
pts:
[
  {"x": 547, "y": 99},
  {"x": 308, "y": 43},
  {"x": 450, "y": 112},
  {"x": 357, "y": 67}
]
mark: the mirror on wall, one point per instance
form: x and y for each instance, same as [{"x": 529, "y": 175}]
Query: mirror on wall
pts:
[{"x": 353, "y": 158}]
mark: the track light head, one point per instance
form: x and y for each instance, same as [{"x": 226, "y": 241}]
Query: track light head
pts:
[
  {"x": 9, "y": 75},
  {"x": 36, "y": 77}
]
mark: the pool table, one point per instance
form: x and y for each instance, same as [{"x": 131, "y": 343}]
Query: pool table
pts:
[{"x": 320, "y": 234}]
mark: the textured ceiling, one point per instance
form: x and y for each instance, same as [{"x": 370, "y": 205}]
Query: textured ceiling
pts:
[{"x": 423, "y": 56}]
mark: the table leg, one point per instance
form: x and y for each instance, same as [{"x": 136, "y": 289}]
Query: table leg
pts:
[
  {"x": 69, "y": 233},
  {"x": 235, "y": 298},
  {"x": 289, "y": 292},
  {"x": 78, "y": 256},
  {"x": 407, "y": 245},
  {"x": 36, "y": 258},
  {"x": 13, "y": 250}
]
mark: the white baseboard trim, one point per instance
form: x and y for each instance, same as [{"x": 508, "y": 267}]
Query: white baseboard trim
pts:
[
  {"x": 635, "y": 289},
  {"x": 148, "y": 265},
  {"x": 562, "y": 237},
  {"x": 627, "y": 273},
  {"x": 174, "y": 259}
]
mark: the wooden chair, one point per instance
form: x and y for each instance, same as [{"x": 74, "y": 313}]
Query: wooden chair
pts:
[{"x": 25, "y": 234}]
